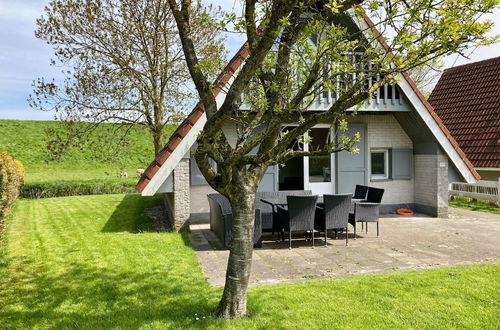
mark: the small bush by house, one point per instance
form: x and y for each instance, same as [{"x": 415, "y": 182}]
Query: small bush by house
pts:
[{"x": 11, "y": 181}]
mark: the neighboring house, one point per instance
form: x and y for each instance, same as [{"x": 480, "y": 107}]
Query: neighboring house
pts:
[
  {"x": 467, "y": 99},
  {"x": 404, "y": 149}
]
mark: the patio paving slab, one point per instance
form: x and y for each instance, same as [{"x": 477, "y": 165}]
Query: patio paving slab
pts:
[{"x": 405, "y": 243}]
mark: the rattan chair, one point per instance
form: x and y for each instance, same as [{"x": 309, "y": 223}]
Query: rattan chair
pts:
[
  {"x": 334, "y": 215},
  {"x": 365, "y": 212},
  {"x": 360, "y": 192},
  {"x": 359, "y": 195},
  {"x": 374, "y": 195},
  {"x": 298, "y": 215}
]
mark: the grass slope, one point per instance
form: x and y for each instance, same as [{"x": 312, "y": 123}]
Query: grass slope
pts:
[
  {"x": 93, "y": 262},
  {"x": 26, "y": 141}
]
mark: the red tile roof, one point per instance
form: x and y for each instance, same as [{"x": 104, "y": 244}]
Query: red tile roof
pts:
[
  {"x": 191, "y": 119},
  {"x": 467, "y": 98}
]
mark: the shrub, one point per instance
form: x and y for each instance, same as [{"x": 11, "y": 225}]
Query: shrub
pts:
[
  {"x": 11, "y": 181},
  {"x": 76, "y": 188}
]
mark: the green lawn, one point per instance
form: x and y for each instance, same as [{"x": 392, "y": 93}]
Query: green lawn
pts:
[
  {"x": 26, "y": 141},
  {"x": 474, "y": 205},
  {"x": 94, "y": 262}
]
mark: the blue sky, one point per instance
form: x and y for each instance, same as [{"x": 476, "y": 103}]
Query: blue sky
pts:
[{"x": 24, "y": 58}]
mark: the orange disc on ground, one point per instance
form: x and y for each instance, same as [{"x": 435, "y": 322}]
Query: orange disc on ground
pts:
[{"x": 406, "y": 212}]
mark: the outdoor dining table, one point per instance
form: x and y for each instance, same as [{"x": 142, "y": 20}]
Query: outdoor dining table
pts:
[{"x": 275, "y": 202}]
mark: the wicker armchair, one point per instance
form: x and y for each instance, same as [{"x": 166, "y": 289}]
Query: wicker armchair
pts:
[
  {"x": 266, "y": 210},
  {"x": 359, "y": 195},
  {"x": 360, "y": 192},
  {"x": 374, "y": 195},
  {"x": 334, "y": 215},
  {"x": 297, "y": 216},
  {"x": 221, "y": 220},
  {"x": 365, "y": 212}
]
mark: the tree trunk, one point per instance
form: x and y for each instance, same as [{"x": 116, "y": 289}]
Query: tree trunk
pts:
[
  {"x": 157, "y": 141},
  {"x": 234, "y": 299}
]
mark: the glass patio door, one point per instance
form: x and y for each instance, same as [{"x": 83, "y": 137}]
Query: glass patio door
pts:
[{"x": 318, "y": 170}]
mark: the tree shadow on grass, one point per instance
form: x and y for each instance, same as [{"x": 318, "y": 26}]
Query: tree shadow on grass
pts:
[
  {"x": 131, "y": 215},
  {"x": 93, "y": 297}
]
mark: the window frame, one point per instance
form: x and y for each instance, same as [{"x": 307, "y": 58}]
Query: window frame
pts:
[{"x": 386, "y": 175}]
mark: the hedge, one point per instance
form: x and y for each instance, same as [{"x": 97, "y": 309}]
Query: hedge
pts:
[
  {"x": 75, "y": 188},
  {"x": 11, "y": 181}
]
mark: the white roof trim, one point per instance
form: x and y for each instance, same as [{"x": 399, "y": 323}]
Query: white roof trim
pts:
[{"x": 166, "y": 169}]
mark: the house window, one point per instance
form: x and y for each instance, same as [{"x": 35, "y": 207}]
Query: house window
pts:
[{"x": 380, "y": 164}]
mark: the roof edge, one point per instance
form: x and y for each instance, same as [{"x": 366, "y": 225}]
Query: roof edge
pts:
[
  {"x": 492, "y": 59},
  {"x": 185, "y": 127}
]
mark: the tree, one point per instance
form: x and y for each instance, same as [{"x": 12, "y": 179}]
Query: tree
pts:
[
  {"x": 298, "y": 49},
  {"x": 426, "y": 76},
  {"x": 123, "y": 62}
]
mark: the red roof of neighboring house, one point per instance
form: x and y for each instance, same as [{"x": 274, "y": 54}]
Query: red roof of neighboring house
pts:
[
  {"x": 226, "y": 75},
  {"x": 467, "y": 98}
]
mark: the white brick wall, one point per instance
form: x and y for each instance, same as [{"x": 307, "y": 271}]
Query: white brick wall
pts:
[
  {"x": 442, "y": 186},
  {"x": 431, "y": 185},
  {"x": 384, "y": 131},
  {"x": 426, "y": 176}
]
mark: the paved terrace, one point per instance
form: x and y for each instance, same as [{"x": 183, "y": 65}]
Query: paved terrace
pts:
[{"x": 405, "y": 243}]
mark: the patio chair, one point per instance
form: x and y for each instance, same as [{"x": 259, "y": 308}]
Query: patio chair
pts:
[
  {"x": 360, "y": 192},
  {"x": 266, "y": 210},
  {"x": 334, "y": 215},
  {"x": 374, "y": 195},
  {"x": 365, "y": 212},
  {"x": 298, "y": 215}
]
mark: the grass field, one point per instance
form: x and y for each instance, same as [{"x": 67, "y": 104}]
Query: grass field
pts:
[
  {"x": 26, "y": 141},
  {"x": 95, "y": 262},
  {"x": 474, "y": 205}
]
